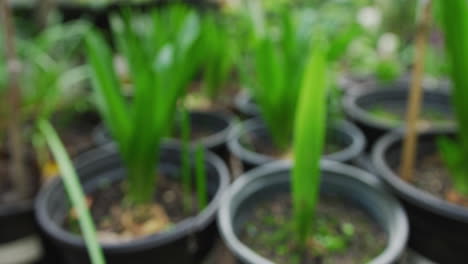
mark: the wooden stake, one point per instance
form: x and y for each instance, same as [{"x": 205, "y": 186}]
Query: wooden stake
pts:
[
  {"x": 415, "y": 95},
  {"x": 17, "y": 174}
]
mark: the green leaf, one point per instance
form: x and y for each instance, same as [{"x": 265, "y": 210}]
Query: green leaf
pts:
[
  {"x": 309, "y": 136},
  {"x": 74, "y": 191},
  {"x": 454, "y": 15}
]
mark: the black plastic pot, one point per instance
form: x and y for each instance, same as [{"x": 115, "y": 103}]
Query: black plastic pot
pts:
[
  {"x": 345, "y": 134},
  {"x": 439, "y": 229},
  {"x": 357, "y": 84},
  {"x": 348, "y": 182},
  {"x": 245, "y": 105},
  {"x": 187, "y": 242},
  {"x": 19, "y": 242},
  {"x": 218, "y": 122},
  {"x": 357, "y": 109}
]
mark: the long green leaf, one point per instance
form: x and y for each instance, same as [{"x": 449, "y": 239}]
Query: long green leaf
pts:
[
  {"x": 309, "y": 136},
  {"x": 455, "y": 24},
  {"x": 74, "y": 191}
]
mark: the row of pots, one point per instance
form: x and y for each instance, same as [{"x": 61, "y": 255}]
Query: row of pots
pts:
[{"x": 103, "y": 163}]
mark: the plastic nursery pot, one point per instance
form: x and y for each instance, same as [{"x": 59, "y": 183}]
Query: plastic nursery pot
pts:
[
  {"x": 19, "y": 242},
  {"x": 359, "y": 109},
  {"x": 350, "y": 183},
  {"x": 347, "y": 137},
  {"x": 245, "y": 106},
  {"x": 439, "y": 229},
  {"x": 212, "y": 129},
  {"x": 186, "y": 242}
]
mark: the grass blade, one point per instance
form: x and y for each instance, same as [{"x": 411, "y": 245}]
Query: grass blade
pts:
[
  {"x": 74, "y": 191},
  {"x": 309, "y": 136},
  {"x": 201, "y": 177}
]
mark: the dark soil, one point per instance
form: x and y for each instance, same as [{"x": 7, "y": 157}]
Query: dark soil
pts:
[
  {"x": 264, "y": 145},
  {"x": 432, "y": 176},
  {"x": 197, "y": 132},
  {"x": 115, "y": 222},
  {"x": 397, "y": 115},
  {"x": 224, "y": 102},
  {"x": 76, "y": 131},
  {"x": 360, "y": 239}
]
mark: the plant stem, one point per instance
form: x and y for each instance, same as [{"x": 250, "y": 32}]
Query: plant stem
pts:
[
  {"x": 415, "y": 95},
  {"x": 185, "y": 170},
  {"x": 16, "y": 145},
  {"x": 202, "y": 193}
]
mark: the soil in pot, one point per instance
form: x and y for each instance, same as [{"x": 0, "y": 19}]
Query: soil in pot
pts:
[
  {"x": 197, "y": 132},
  {"x": 395, "y": 116},
  {"x": 263, "y": 144},
  {"x": 117, "y": 223},
  {"x": 344, "y": 233},
  {"x": 432, "y": 176},
  {"x": 198, "y": 101}
]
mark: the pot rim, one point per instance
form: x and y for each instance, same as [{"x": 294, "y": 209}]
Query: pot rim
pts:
[
  {"x": 356, "y": 112},
  {"x": 354, "y": 149},
  {"x": 244, "y": 105},
  {"x": 396, "y": 242},
  {"x": 213, "y": 140},
  {"x": 183, "y": 228},
  {"x": 407, "y": 191}
]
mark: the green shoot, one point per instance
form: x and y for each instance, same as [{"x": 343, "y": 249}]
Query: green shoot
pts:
[
  {"x": 160, "y": 67},
  {"x": 278, "y": 63},
  {"x": 277, "y": 74},
  {"x": 309, "y": 136},
  {"x": 202, "y": 192},
  {"x": 74, "y": 191},
  {"x": 454, "y": 16},
  {"x": 185, "y": 169},
  {"x": 219, "y": 56}
]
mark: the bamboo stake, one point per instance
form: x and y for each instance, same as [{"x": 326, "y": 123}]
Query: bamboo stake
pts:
[
  {"x": 17, "y": 173},
  {"x": 415, "y": 94}
]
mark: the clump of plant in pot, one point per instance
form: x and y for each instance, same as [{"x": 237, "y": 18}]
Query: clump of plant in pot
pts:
[
  {"x": 219, "y": 56},
  {"x": 307, "y": 212},
  {"x": 435, "y": 193},
  {"x": 177, "y": 24},
  {"x": 135, "y": 192},
  {"x": 276, "y": 69}
]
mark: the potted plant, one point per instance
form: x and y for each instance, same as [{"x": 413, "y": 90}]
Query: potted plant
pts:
[
  {"x": 209, "y": 128},
  {"x": 301, "y": 213},
  {"x": 435, "y": 195},
  {"x": 138, "y": 182},
  {"x": 276, "y": 67}
]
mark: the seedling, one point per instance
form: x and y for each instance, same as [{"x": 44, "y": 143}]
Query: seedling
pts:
[
  {"x": 219, "y": 55},
  {"x": 309, "y": 137},
  {"x": 161, "y": 64},
  {"x": 275, "y": 82},
  {"x": 277, "y": 66},
  {"x": 189, "y": 149},
  {"x": 454, "y": 16}
]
